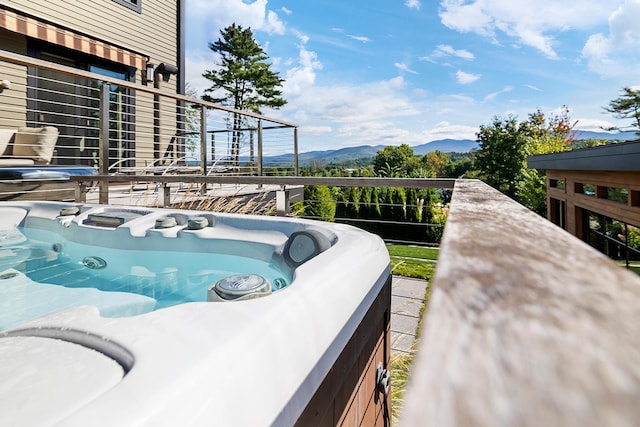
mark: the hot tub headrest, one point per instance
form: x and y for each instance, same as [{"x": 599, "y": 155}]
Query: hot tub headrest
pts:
[{"x": 303, "y": 245}]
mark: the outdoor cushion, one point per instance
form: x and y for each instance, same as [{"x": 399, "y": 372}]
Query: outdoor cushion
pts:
[
  {"x": 35, "y": 143},
  {"x": 6, "y": 135}
]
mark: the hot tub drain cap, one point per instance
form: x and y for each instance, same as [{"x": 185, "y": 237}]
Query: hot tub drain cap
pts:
[{"x": 239, "y": 287}]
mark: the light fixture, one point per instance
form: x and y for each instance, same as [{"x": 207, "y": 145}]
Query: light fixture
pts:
[
  {"x": 4, "y": 84},
  {"x": 166, "y": 70},
  {"x": 147, "y": 74}
]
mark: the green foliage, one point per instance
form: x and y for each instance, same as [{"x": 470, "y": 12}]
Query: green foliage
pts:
[
  {"x": 505, "y": 144},
  {"x": 532, "y": 190},
  {"x": 577, "y": 144},
  {"x": 437, "y": 163},
  {"x": 319, "y": 202},
  {"x": 502, "y": 154},
  {"x": 551, "y": 134},
  {"x": 627, "y": 106},
  {"x": 400, "y": 365},
  {"x": 416, "y": 208},
  {"x": 244, "y": 79},
  {"x": 393, "y": 161},
  {"x": 634, "y": 237}
]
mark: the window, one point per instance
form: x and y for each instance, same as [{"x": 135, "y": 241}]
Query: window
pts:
[
  {"x": 586, "y": 189},
  {"x": 131, "y": 4},
  {"x": 557, "y": 183},
  {"x": 71, "y": 105},
  {"x": 620, "y": 195},
  {"x": 615, "y": 238}
]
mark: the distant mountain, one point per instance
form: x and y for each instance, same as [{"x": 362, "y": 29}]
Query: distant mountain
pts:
[
  {"x": 619, "y": 136},
  {"x": 444, "y": 145},
  {"x": 326, "y": 156},
  {"x": 368, "y": 151},
  {"x": 341, "y": 154}
]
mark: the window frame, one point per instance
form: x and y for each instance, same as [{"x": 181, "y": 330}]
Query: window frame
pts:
[{"x": 135, "y": 5}]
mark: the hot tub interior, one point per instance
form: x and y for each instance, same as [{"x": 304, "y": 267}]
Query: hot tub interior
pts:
[{"x": 132, "y": 261}]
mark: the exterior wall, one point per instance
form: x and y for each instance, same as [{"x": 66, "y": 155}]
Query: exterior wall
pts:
[
  {"x": 348, "y": 394},
  {"x": 13, "y": 115},
  {"x": 154, "y": 32},
  {"x": 575, "y": 201}
]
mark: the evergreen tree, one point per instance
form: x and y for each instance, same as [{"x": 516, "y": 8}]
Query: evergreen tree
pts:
[
  {"x": 627, "y": 106},
  {"x": 319, "y": 202},
  {"x": 243, "y": 79}
]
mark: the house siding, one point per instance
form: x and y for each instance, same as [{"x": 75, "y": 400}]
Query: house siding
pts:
[
  {"x": 153, "y": 33},
  {"x": 14, "y": 101}
]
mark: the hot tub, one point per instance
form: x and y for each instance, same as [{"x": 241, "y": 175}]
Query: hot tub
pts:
[{"x": 135, "y": 316}]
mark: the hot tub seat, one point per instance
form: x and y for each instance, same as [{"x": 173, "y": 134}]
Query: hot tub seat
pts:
[{"x": 21, "y": 298}]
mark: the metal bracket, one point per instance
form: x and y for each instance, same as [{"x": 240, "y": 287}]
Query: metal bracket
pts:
[{"x": 383, "y": 379}]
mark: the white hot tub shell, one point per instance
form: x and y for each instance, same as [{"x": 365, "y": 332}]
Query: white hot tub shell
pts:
[{"x": 269, "y": 360}]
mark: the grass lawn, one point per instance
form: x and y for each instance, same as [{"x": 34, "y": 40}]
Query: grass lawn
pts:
[
  {"x": 408, "y": 261},
  {"x": 413, "y": 261},
  {"x": 633, "y": 266}
]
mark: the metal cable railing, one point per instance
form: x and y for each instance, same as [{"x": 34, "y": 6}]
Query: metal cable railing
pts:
[{"x": 117, "y": 126}]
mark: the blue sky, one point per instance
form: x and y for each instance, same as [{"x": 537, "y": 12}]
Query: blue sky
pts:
[{"x": 409, "y": 71}]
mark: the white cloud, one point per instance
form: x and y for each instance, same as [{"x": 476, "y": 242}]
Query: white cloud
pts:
[
  {"x": 617, "y": 53},
  {"x": 207, "y": 17},
  {"x": 370, "y": 113},
  {"x": 302, "y": 37},
  {"x": 445, "y": 130},
  {"x": 362, "y": 39},
  {"x": 531, "y": 23},
  {"x": 404, "y": 67},
  {"x": 195, "y": 65},
  {"x": 444, "y": 50},
  {"x": 303, "y": 75},
  {"x": 466, "y": 78},
  {"x": 315, "y": 130},
  {"x": 286, "y": 11},
  {"x": 535, "y": 88},
  {"x": 593, "y": 125},
  {"x": 413, "y": 4},
  {"x": 494, "y": 95}
]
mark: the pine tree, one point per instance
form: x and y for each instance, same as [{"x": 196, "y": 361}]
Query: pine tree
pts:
[
  {"x": 627, "y": 106},
  {"x": 243, "y": 79}
]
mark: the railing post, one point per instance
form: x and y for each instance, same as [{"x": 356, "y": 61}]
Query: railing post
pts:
[
  {"x": 164, "y": 196},
  {"x": 282, "y": 202},
  {"x": 295, "y": 151},
  {"x": 203, "y": 139},
  {"x": 81, "y": 192},
  {"x": 259, "y": 147},
  {"x": 203, "y": 145},
  {"x": 156, "y": 117},
  {"x": 252, "y": 158},
  {"x": 103, "y": 142}
]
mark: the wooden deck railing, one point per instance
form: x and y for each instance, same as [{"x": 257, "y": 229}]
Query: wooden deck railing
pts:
[
  {"x": 283, "y": 181},
  {"x": 526, "y": 325}
]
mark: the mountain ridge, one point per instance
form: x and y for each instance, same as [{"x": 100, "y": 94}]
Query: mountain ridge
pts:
[{"x": 445, "y": 145}]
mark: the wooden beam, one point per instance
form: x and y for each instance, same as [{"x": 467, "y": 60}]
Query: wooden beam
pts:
[{"x": 526, "y": 325}]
